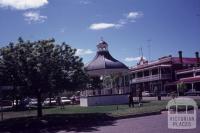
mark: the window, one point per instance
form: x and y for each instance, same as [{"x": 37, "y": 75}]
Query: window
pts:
[
  {"x": 139, "y": 74},
  {"x": 198, "y": 73},
  {"x": 154, "y": 71},
  {"x": 146, "y": 73},
  {"x": 132, "y": 75},
  {"x": 185, "y": 75},
  {"x": 165, "y": 70}
]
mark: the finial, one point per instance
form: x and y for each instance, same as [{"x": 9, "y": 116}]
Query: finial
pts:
[{"x": 102, "y": 46}]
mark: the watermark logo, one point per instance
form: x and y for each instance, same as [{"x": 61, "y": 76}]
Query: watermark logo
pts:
[{"x": 182, "y": 113}]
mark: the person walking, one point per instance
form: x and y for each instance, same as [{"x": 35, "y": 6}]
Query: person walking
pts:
[
  {"x": 131, "y": 102},
  {"x": 60, "y": 103},
  {"x": 140, "y": 97}
]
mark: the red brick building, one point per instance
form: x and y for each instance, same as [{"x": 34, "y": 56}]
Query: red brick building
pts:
[{"x": 164, "y": 74}]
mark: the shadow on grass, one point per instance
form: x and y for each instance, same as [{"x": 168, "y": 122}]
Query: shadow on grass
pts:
[
  {"x": 13, "y": 109},
  {"x": 57, "y": 122}
]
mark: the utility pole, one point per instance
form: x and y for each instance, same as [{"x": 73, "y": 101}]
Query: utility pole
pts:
[
  {"x": 149, "y": 48},
  {"x": 140, "y": 52}
]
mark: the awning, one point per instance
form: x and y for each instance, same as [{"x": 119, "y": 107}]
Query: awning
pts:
[
  {"x": 185, "y": 80},
  {"x": 190, "y": 80}
]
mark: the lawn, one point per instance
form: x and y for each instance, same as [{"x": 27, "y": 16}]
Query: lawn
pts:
[
  {"x": 75, "y": 118},
  {"x": 111, "y": 110}
]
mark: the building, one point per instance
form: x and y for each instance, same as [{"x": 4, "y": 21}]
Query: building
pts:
[
  {"x": 163, "y": 75},
  {"x": 113, "y": 76},
  {"x": 112, "y": 73},
  {"x": 190, "y": 77},
  {"x": 158, "y": 77}
]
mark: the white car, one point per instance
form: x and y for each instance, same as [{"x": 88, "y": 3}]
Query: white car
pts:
[
  {"x": 33, "y": 102},
  {"x": 47, "y": 101},
  {"x": 147, "y": 94},
  {"x": 65, "y": 100}
]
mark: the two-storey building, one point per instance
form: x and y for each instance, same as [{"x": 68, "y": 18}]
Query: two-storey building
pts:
[{"x": 160, "y": 75}]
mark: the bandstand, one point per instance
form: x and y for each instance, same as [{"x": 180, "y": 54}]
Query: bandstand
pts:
[{"x": 114, "y": 75}]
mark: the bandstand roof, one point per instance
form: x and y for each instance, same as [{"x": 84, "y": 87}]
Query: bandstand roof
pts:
[{"x": 103, "y": 63}]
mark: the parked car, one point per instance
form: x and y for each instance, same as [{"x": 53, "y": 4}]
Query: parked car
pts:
[
  {"x": 147, "y": 94},
  {"x": 47, "y": 101},
  {"x": 33, "y": 102},
  {"x": 78, "y": 99},
  {"x": 65, "y": 100},
  {"x": 75, "y": 99},
  {"x": 192, "y": 93},
  {"x": 5, "y": 103}
]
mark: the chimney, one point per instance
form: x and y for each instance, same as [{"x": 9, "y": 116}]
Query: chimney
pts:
[
  {"x": 197, "y": 57},
  {"x": 180, "y": 56}
]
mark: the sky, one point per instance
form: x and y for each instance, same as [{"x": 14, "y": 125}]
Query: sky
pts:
[{"x": 158, "y": 27}]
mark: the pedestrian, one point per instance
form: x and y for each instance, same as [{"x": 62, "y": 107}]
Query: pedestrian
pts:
[
  {"x": 140, "y": 97},
  {"x": 131, "y": 102},
  {"x": 159, "y": 96},
  {"x": 60, "y": 103}
]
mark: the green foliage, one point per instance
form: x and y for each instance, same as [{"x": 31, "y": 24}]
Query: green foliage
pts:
[
  {"x": 41, "y": 68},
  {"x": 181, "y": 88},
  {"x": 95, "y": 83}
]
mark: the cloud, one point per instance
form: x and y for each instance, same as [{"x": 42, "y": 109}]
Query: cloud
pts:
[
  {"x": 82, "y": 52},
  {"x": 103, "y": 26},
  {"x": 35, "y": 17},
  {"x": 131, "y": 59},
  {"x": 123, "y": 21},
  {"x": 62, "y": 30},
  {"x": 23, "y": 4},
  {"x": 134, "y": 15},
  {"x": 85, "y": 2},
  {"x": 130, "y": 17}
]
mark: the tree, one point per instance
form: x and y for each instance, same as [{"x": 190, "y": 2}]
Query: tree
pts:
[
  {"x": 95, "y": 84},
  {"x": 11, "y": 71},
  {"x": 181, "y": 88},
  {"x": 42, "y": 68}
]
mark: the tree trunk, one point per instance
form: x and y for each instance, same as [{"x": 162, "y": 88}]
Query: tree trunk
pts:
[
  {"x": 50, "y": 99},
  {"x": 1, "y": 111},
  {"x": 50, "y": 102},
  {"x": 39, "y": 105},
  {"x": 17, "y": 102}
]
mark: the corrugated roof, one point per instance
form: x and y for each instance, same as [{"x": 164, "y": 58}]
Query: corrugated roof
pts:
[
  {"x": 190, "y": 79},
  {"x": 167, "y": 60},
  {"x": 103, "y": 60}
]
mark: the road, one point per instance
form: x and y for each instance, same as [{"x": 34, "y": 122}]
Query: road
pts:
[{"x": 147, "y": 124}]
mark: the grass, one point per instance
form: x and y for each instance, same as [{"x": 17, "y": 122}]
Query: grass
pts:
[
  {"x": 111, "y": 110},
  {"x": 75, "y": 118},
  {"x": 147, "y": 108}
]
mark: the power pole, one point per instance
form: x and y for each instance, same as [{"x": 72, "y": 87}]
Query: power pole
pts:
[
  {"x": 140, "y": 52},
  {"x": 149, "y": 48}
]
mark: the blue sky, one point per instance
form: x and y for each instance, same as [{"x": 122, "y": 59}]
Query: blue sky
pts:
[{"x": 163, "y": 26}]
